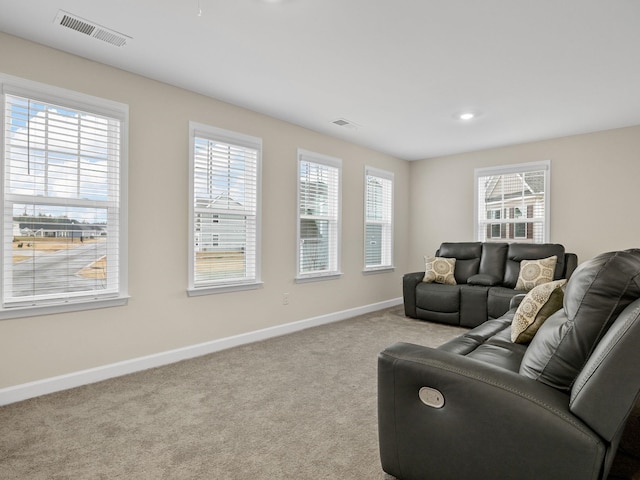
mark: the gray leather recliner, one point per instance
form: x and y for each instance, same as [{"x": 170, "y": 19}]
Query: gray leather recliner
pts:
[
  {"x": 486, "y": 274},
  {"x": 481, "y": 406}
]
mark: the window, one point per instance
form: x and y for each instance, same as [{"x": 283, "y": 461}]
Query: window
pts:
[
  {"x": 224, "y": 210},
  {"x": 63, "y": 201},
  {"x": 378, "y": 223},
  {"x": 319, "y": 185},
  {"x": 495, "y": 230},
  {"x": 512, "y": 203}
]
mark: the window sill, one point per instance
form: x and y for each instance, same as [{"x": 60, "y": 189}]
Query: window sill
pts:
[
  {"x": 374, "y": 270},
  {"x": 212, "y": 290},
  {"x": 70, "y": 306},
  {"x": 318, "y": 277}
]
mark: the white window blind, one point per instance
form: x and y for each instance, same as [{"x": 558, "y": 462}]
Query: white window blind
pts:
[
  {"x": 512, "y": 203},
  {"x": 61, "y": 200},
  {"x": 319, "y": 182},
  {"x": 378, "y": 243},
  {"x": 224, "y": 233}
]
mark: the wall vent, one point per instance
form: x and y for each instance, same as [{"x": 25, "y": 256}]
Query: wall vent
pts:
[{"x": 91, "y": 29}]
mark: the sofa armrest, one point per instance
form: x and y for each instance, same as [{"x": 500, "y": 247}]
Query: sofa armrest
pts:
[
  {"x": 484, "y": 280},
  {"x": 516, "y": 300},
  {"x": 570, "y": 264},
  {"x": 409, "y": 283},
  {"x": 484, "y": 406}
]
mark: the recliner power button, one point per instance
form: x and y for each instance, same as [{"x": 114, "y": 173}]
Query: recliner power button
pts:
[{"x": 431, "y": 397}]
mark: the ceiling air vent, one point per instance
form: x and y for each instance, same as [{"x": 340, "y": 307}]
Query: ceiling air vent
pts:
[
  {"x": 343, "y": 122},
  {"x": 91, "y": 29}
]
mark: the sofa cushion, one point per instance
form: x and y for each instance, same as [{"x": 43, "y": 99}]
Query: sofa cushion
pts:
[
  {"x": 489, "y": 343},
  {"x": 500, "y": 351},
  {"x": 538, "y": 305},
  {"x": 535, "y": 272},
  {"x": 596, "y": 293},
  {"x": 472, "y": 339},
  {"x": 439, "y": 270},
  {"x": 438, "y": 297},
  {"x": 531, "y": 251}
]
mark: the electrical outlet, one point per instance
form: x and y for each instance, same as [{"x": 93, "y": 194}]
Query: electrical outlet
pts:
[{"x": 285, "y": 299}]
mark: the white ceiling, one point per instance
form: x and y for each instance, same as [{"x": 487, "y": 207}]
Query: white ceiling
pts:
[{"x": 399, "y": 69}]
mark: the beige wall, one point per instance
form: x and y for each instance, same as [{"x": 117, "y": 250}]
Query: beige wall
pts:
[
  {"x": 594, "y": 193},
  {"x": 594, "y": 196},
  {"x": 160, "y": 316}
]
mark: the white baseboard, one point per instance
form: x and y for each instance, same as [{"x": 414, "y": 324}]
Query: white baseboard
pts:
[{"x": 25, "y": 391}]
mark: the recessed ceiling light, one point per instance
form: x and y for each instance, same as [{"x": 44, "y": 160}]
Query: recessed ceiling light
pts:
[{"x": 466, "y": 115}]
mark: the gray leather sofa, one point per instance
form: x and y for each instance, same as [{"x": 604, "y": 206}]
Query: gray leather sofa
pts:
[
  {"x": 481, "y": 406},
  {"x": 486, "y": 276}
]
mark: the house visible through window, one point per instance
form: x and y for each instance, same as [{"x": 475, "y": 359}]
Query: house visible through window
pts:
[
  {"x": 225, "y": 181},
  {"x": 378, "y": 245},
  {"x": 63, "y": 164},
  {"x": 512, "y": 203},
  {"x": 319, "y": 181}
]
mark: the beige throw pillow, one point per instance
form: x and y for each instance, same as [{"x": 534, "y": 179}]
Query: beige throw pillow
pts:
[
  {"x": 439, "y": 270},
  {"x": 535, "y": 272},
  {"x": 538, "y": 305}
]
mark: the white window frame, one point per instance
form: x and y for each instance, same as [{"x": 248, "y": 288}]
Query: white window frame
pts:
[
  {"x": 116, "y": 293},
  {"x": 334, "y": 221},
  {"x": 252, "y": 280},
  {"x": 540, "y": 221},
  {"x": 386, "y": 251}
]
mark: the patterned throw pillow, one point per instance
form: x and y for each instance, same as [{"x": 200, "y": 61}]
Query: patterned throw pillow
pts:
[
  {"x": 439, "y": 270},
  {"x": 535, "y": 272},
  {"x": 538, "y": 305}
]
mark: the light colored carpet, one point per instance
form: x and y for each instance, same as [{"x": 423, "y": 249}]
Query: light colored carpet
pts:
[{"x": 301, "y": 406}]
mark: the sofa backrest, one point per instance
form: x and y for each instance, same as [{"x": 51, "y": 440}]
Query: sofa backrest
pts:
[
  {"x": 494, "y": 260},
  {"x": 531, "y": 251},
  {"x": 595, "y": 295},
  {"x": 607, "y": 387},
  {"x": 467, "y": 255},
  {"x": 501, "y": 260}
]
